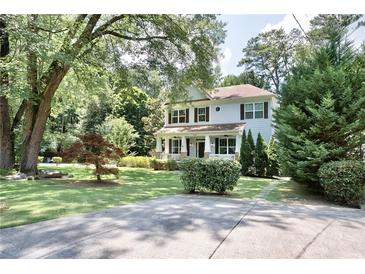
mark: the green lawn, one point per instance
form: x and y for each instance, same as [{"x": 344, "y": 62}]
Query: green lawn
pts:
[{"x": 23, "y": 202}]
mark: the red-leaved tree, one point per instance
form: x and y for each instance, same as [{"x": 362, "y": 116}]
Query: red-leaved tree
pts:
[{"x": 94, "y": 149}]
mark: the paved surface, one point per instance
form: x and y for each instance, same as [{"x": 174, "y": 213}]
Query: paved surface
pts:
[{"x": 190, "y": 226}]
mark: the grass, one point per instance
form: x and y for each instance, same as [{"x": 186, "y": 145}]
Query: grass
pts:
[{"x": 24, "y": 202}]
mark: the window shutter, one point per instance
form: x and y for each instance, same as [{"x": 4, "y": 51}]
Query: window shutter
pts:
[
  {"x": 170, "y": 146},
  {"x": 242, "y": 111},
  {"x": 169, "y": 117},
  {"x": 207, "y": 114},
  {"x": 266, "y": 110},
  {"x": 188, "y": 146},
  {"x": 187, "y": 115},
  {"x": 216, "y": 145},
  {"x": 195, "y": 115}
]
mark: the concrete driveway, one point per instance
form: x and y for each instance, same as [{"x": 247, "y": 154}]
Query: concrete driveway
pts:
[{"x": 191, "y": 226}]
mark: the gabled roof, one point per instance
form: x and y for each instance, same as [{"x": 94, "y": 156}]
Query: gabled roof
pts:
[{"x": 239, "y": 91}]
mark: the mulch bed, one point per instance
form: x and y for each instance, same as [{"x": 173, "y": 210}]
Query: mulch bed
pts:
[{"x": 94, "y": 183}]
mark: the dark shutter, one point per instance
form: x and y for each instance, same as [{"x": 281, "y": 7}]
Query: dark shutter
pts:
[
  {"x": 242, "y": 111},
  {"x": 266, "y": 110},
  {"x": 170, "y": 146},
  {"x": 216, "y": 145},
  {"x": 207, "y": 114},
  {"x": 187, "y": 115},
  {"x": 188, "y": 146},
  {"x": 169, "y": 117},
  {"x": 195, "y": 115}
]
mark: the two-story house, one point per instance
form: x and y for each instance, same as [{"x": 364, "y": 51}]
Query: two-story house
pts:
[{"x": 210, "y": 124}]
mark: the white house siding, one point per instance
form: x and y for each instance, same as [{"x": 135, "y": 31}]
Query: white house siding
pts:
[{"x": 230, "y": 113}]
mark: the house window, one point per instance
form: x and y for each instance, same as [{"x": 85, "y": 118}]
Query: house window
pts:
[
  {"x": 201, "y": 114},
  {"x": 227, "y": 146},
  {"x": 175, "y": 146},
  {"x": 248, "y": 111},
  {"x": 259, "y": 110},
  {"x": 178, "y": 116}
]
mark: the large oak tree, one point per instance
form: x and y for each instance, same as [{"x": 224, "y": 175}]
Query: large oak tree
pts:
[{"x": 44, "y": 48}]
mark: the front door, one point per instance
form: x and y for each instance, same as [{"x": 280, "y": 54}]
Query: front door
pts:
[{"x": 200, "y": 149}]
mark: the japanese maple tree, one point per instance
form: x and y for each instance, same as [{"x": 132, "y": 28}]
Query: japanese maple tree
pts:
[{"x": 93, "y": 149}]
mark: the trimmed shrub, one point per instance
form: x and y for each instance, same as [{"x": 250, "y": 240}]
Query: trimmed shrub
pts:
[
  {"x": 344, "y": 181},
  {"x": 40, "y": 159},
  {"x": 217, "y": 175},
  {"x": 135, "y": 161},
  {"x": 57, "y": 160},
  {"x": 158, "y": 164}
]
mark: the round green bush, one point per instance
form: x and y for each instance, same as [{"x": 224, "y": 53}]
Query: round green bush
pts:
[
  {"x": 218, "y": 175},
  {"x": 344, "y": 181}
]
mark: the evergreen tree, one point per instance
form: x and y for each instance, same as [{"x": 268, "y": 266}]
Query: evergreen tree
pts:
[
  {"x": 322, "y": 112},
  {"x": 250, "y": 153},
  {"x": 273, "y": 162},
  {"x": 245, "y": 155},
  {"x": 261, "y": 159}
]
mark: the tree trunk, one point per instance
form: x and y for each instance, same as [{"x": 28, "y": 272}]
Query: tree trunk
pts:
[
  {"x": 7, "y": 155},
  {"x": 33, "y": 137}
]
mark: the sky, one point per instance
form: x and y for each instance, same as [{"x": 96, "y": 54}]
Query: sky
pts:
[{"x": 240, "y": 28}]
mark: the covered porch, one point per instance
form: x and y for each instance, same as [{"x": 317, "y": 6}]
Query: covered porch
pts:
[{"x": 208, "y": 141}]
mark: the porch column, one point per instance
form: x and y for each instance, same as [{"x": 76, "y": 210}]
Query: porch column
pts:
[
  {"x": 184, "y": 151},
  {"x": 238, "y": 146},
  {"x": 167, "y": 146},
  {"x": 158, "y": 147},
  {"x": 207, "y": 146}
]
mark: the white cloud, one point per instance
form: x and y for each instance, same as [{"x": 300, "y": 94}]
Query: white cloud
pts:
[
  {"x": 224, "y": 60},
  {"x": 288, "y": 23}
]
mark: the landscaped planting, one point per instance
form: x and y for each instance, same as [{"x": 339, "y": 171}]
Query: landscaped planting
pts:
[
  {"x": 158, "y": 164},
  {"x": 218, "y": 175},
  {"x": 344, "y": 181},
  {"x": 135, "y": 161}
]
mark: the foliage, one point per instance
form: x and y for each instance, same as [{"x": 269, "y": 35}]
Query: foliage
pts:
[
  {"x": 344, "y": 181},
  {"x": 119, "y": 132},
  {"x": 132, "y": 104},
  {"x": 261, "y": 158},
  {"x": 94, "y": 149},
  {"x": 40, "y": 159},
  {"x": 321, "y": 114},
  {"x": 158, "y": 164},
  {"x": 246, "y": 159},
  {"x": 217, "y": 175},
  {"x": 135, "y": 161},
  {"x": 246, "y": 77},
  {"x": 155, "y": 120},
  {"x": 270, "y": 55},
  {"x": 57, "y": 160},
  {"x": 273, "y": 161},
  {"x": 250, "y": 154}
]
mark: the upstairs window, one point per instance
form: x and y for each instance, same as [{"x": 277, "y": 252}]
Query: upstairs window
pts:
[
  {"x": 248, "y": 111},
  {"x": 201, "y": 114},
  {"x": 259, "y": 110},
  {"x": 179, "y": 116}
]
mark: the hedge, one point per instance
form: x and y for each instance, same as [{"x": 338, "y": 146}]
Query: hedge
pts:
[
  {"x": 135, "y": 161},
  {"x": 158, "y": 164},
  {"x": 218, "y": 175},
  {"x": 344, "y": 181},
  {"x": 57, "y": 160}
]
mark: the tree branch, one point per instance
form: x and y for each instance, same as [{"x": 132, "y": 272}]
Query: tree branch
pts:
[
  {"x": 126, "y": 37},
  {"x": 19, "y": 114}
]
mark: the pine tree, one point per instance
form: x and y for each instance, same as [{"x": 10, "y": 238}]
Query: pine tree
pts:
[
  {"x": 273, "y": 163},
  {"x": 322, "y": 110},
  {"x": 261, "y": 159},
  {"x": 245, "y": 155}
]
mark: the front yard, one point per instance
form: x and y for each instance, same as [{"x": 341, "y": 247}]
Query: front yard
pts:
[{"x": 26, "y": 202}]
